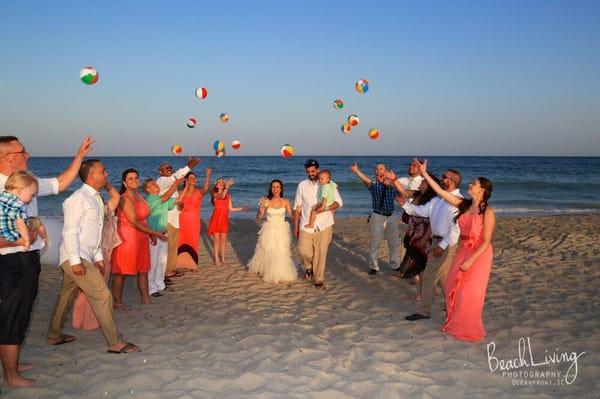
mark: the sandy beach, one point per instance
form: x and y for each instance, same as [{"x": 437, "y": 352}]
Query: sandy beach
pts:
[{"x": 224, "y": 333}]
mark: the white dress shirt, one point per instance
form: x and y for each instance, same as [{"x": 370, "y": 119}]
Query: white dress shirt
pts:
[
  {"x": 306, "y": 198},
  {"x": 441, "y": 218},
  {"x": 164, "y": 184},
  {"x": 45, "y": 187},
  {"x": 82, "y": 230}
]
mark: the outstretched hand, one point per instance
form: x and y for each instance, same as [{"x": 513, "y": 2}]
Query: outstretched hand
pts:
[
  {"x": 390, "y": 175},
  {"x": 229, "y": 183},
  {"x": 192, "y": 162},
  {"x": 423, "y": 167},
  {"x": 400, "y": 200},
  {"x": 354, "y": 167},
  {"x": 85, "y": 147}
]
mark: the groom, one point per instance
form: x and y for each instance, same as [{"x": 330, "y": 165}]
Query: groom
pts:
[{"x": 313, "y": 243}]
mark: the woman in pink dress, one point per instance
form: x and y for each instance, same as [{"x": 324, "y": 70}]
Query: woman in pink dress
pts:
[
  {"x": 189, "y": 221},
  {"x": 467, "y": 280},
  {"x": 83, "y": 315},
  {"x": 132, "y": 257}
]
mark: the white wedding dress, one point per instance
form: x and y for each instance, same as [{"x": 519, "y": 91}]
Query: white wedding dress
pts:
[{"x": 272, "y": 258}]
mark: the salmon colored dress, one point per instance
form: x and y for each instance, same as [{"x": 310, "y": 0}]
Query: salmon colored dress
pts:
[
  {"x": 189, "y": 231},
  {"x": 219, "y": 221},
  {"x": 133, "y": 255},
  {"x": 465, "y": 291}
]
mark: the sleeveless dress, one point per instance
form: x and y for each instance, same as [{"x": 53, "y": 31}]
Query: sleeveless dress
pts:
[
  {"x": 189, "y": 232},
  {"x": 272, "y": 258},
  {"x": 465, "y": 291},
  {"x": 133, "y": 255},
  {"x": 219, "y": 221}
]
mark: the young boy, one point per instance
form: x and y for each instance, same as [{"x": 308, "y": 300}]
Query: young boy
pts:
[
  {"x": 325, "y": 194},
  {"x": 20, "y": 188}
]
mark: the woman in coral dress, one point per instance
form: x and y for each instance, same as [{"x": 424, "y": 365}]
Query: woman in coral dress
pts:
[
  {"x": 218, "y": 227},
  {"x": 467, "y": 280},
  {"x": 132, "y": 257},
  {"x": 189, "y": 221}
]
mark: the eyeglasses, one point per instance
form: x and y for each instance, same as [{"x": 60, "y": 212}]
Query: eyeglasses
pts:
[{"x": 167, "y": 168}]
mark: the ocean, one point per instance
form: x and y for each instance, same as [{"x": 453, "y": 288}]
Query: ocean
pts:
[{"x": 522, "y": 185}]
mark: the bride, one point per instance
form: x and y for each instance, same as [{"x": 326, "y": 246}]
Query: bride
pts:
[{"x": 272, "y": 259}]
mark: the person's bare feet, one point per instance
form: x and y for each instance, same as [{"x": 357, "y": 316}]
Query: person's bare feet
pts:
[
  {"x": 18, "y": 381},
  {"x": 308, "y": 226},
  {"x": 416, "y": 298},
  {"x": 25, "y": 367},
  {"x": 224, "y": 261},
  {"x": 146, "y": 301},
  {"x": 120, "y": 307}
]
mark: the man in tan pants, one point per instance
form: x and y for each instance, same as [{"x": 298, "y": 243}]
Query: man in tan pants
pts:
[
  {"x": 313, "y": 243},
  {"x": 81, "y": 260},
  {"x": 445, "y": 234}
]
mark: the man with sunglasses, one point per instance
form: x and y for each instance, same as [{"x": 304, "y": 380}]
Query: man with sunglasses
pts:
[
  {"x": 165, "y": 181},
  {"x": 445, "y": 232},
  {"x": 313, "y": 243},
  {"x": 19, "y": 271}
]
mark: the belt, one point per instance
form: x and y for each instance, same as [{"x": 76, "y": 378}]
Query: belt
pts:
[
  {"x": 437, "y": 237},
  {"x": 383, "y": 214}
]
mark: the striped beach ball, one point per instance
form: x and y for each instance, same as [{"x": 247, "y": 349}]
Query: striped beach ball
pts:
[
  {"x": 191, "y": 122},
  {"x": 201, "y": 93},
  {"x": 88, "y": 75},
  {"x": 362, "y": 86},
  {"x": 176, "y": 149},
  {"x": 346, "y": 128},
  {"x": 338, "y": 104},
  {"x": 373, "y": 134},
  {"x": 220, "y": 153},
  {"x": 287, "y": 151},
  {"x": 224, "y": 117},
  {"x": 236, "y": 144},
  {"x": 353, "y": 120},
  {"x": 218, "y": 145}
]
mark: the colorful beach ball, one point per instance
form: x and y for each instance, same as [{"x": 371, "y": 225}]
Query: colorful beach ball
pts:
[
  {"x": 236, "y": 144},
  {"x": 176, "y": 149},
  {"x": 220, "y": 153},
  {"x": 346, "y": 128},
  {"x": 192, "y": 122},
  {"x": 88, "y": 75},
  {"x": 362, "y": 86},
  {"x": 224, "y": 117},
  {"x": 338, "y": 104},
  {"x": 218, "y": 145},
  {"x": 201, "y": 93},
  {"x": 353, "y": 120},
  {"x": 373, "y": 134},
  {"x": 287, "y": 151}
]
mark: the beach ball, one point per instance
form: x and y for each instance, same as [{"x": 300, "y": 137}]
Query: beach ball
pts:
[
  {"x": 201, "y": 93},
  {"x": 287, "y": 151},
  {"x": 88, "y": 75},
  {"x": 353, "y": 120},
  {"x": 338, "y": 104},
  {"x": 191, "y": 122},
  {"x": 373, "y": 134},
  {"x": 362, "y": 86},
  {"x": 224, "y": 117},
  {"x": 220, "y": 153},
  {"x": 176, "y": 149},
  {"x": 346, "y": 127},
  {"x": 236, "y": 144},
  {"x": 218, "y": 145}
]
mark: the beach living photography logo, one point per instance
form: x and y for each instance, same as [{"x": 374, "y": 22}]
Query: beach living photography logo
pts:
[{"x": 554, "y": 367}]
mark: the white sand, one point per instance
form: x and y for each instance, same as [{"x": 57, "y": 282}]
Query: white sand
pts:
[{"x": 224, "y": 333}]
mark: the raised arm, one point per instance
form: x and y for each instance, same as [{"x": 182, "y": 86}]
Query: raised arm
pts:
[
  {"x": 240, "y": 209},
  {"x": 363, "y": 178},
  {"x": 392, "y": 179},
  {"x": 167, "y": 194},
  {"x": 451, "y": 198},
  {"x": 205, "y": 186},
  {"x": 489, "y": 223},
  {"x": 66, "y": 178}
]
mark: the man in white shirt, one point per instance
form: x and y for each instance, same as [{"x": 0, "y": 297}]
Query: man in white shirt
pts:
[
  {"x": 445, "y": 232},
  {"x": 19, "y": 271},
  {"x": 313, "y": 243},
  {"x": 165, "y": 181},
  {"x": 81, "y": 260}
]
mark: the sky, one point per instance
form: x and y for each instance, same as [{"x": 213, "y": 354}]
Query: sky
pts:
[{"x": 445, "y": 77}]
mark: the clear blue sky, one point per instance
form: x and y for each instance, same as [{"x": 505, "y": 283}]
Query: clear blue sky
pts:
[{"x": 447, "y": 77}]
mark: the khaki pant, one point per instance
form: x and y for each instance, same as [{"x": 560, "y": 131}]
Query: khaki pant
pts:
[
  {"x": 435, "y": 273},
  {"x": 384, "y": 227},
  {"x": 313, "y": 251},
  {"x": 98, "y": 295},
  {"x": 172, "y": 239}
]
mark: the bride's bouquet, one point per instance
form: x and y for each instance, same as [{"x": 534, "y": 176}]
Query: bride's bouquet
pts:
[{"x": 263, "y": 202}]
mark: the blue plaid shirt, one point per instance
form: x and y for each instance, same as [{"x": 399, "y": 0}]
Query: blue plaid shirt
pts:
[
  {"x": 383, "y": 198},
  {"x": 11, "y": 209}
]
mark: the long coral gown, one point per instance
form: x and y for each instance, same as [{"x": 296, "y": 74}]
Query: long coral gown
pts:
[
  {"x": 133, "y": 255},
  {"x": 219, "y": 221},
  {"x": 189, "y": 231},
  {"x": 465, "y": 290}
]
